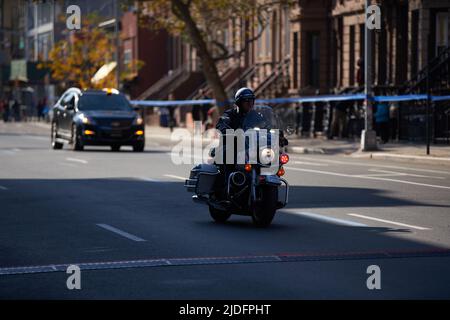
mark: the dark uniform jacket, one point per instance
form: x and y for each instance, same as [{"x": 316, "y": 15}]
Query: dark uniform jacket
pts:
[{"x": 231, "y": 119}]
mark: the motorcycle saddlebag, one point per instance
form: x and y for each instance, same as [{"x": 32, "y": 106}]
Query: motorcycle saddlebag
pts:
[{"x": 202, "y": 179}]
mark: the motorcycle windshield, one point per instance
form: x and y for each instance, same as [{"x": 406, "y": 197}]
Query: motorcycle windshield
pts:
[{"x": 261, "y": 117}]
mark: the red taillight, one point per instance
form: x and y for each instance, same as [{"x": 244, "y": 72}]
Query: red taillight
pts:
[
  {"x": 284, "y": 158},
  {"x": 280, "y": 172},
  {"x": 248, "y": 167}
]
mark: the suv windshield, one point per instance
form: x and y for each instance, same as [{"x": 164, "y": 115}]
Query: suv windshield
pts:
[{"x": 102, "y": 101}]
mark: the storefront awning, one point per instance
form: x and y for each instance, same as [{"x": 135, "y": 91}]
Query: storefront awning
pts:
[
  {"x": 18, "y": 70},
  {"x": 103, "y": 72}
]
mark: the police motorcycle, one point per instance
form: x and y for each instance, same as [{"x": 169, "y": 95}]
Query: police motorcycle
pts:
[{"x": 251, "y": 184}]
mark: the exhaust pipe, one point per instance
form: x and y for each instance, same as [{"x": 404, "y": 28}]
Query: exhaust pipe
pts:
[{"x": 238, "y": 179}]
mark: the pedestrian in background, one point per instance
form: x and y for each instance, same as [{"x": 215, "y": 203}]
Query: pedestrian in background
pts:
[
  {"x": 40, "y": 109},
  {"x": 172, "y": 122},
  {"x": 2, "y": 107},
  {"x": 338, "y": 122},
  {"x": 204, "y": 108},
  {"x": 393, "y": 120},
  {"x": 16, "y": 111},
  {"x": 298, "y": 120},
  {"x": 382, "y": 119}
]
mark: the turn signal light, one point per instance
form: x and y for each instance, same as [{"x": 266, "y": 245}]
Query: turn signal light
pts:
[
  {"x": 89, "y": 132},
  {"x": 248, "y": 167},
  {"x": 284, "y": 158},
  {"x": 280, "y": 172},
  {"x": 139, "y": 133}
]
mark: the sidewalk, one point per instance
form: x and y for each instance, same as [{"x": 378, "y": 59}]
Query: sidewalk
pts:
[{"x": 439, "y": 154}]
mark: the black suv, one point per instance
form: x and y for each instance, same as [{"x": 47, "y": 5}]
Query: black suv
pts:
[{"x": 96, "y": 117}]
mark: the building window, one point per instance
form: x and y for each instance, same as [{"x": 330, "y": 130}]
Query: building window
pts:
[
  {"x": 313, "y": 59},
  {"x": 44, "y": 45},
  {"x": 31, "y": 49},
  {"x": 259, "y": 42},
  {"x": 44, "y": 13},
  {"x": 295, "y": 58},
  {"x": 268, "y": 37},
  {"x": 352, "y": 56},
  {"x": 127, "y": 59},
  {"x": 442, "y": 27},
  {"x": 287, "y": 31}
]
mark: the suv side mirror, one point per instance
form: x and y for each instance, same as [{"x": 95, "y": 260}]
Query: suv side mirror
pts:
[{"x": 70, "y": 104}]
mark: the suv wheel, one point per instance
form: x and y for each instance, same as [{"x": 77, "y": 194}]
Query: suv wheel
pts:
[
  {"x": 76, "y": 139},
  {"x": 54, "y": 134},
  {"x": 115, "y": 147},
  {"x": 139, "y": 147}
]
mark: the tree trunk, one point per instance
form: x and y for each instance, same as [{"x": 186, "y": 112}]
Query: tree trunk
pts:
[{"x": 208, "y": 65}]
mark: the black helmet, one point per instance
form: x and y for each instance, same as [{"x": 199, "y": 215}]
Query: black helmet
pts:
[{"x": 243, "y": 94}]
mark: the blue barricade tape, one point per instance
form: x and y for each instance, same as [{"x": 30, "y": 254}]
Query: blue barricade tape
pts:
[
  {"x": 324, "y": 98},
  {"x": 440, "y": 98},
  {"x": 411, "y": 97}
]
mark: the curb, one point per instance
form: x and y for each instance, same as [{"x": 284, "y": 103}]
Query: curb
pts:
[
  {"x": 302, "y": 150},
  {"x": 400, "y": 157}
]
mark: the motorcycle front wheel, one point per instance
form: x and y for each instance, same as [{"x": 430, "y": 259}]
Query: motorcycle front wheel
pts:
[
  {"x": 264, "y": 211},
  {"x": 219, "y": 215}
]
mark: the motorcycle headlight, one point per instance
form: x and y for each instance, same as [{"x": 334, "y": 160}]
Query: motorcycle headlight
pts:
[
  {"x": 138, "y": 121},
  {"x": 267, "y": 155}
]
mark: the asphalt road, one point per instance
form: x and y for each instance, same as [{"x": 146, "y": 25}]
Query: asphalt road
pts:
[{"x": 126, "y": 220}]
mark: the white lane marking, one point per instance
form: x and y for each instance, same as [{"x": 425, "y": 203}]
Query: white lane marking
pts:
[
  {"x": 67, "y": 164},
  {"x": 8, "y": 152},
  {"x": 375, "y": 155},
  {"x": 36, "y": 137},
  {"x": 312, "y": 163},
  {"x": 378, "y": 175},
  {"x": 175, "y": 177},
  {"x": 323, "y": 172},
  {"x": 3, "y": 188},
  {"x": 405, "y": 174},
  {"x": 354, "y": 163},
  {"x": 367, "y": 177},
  {"x": 324, "y": 218},
  {"x": 197, "y": 158},
  {"x": 120, "y": 232},
  {"x": 150, "y": 180},
  {"x": 408, "y": 182},
  {"x": 388, "y": 221},
  {"x": 77, "y": 160}
]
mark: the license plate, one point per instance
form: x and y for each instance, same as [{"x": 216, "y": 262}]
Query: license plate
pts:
[
  {"x": 273, "y": 180},
  {"x": 116, "y": 134}
]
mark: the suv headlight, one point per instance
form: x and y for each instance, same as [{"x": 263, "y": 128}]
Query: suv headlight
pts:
[
  {"x": 86, "y": 120},
  {"x": 138, "y": 121}
]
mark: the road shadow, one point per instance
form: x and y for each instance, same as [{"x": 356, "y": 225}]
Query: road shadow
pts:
[{"x": 55, "y": 221}]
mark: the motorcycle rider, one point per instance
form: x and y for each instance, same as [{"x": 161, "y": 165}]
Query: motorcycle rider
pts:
[
  {"x": 233, "y": 118},
  {"x": 244, "y": 101}
]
